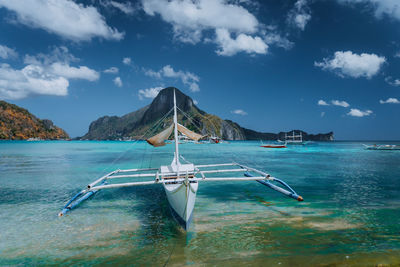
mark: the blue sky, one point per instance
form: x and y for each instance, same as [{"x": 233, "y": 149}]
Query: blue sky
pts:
[{"x": 271, "y": 65}]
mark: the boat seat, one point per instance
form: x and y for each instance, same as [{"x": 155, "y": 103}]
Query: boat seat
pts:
[{"x": 175, "y": 177}]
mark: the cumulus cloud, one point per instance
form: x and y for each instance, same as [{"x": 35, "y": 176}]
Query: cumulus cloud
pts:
[
  {"x": 118, "y": 82},
  {"x": 63, "y": 17},
  {"x": 195, "y": 102},
  {"x": 126, "y": 8},
  {"x": 127, "y": 60},
  {"x": 352, "y": 65},
  {"x": 272, "y": 38},
  {"x": 340, "y": 103},
  {"x": 43, "y": 75},
  {"x": 192, "y": 16},
  {"x": 187, "y": 78},
  {"x": 112, "y": 70},
  {"x": 322, "y": 103},
  {"x": 242, "y": 42},
  {"x": 149, "y": 92},
  {"x": 392, "y": 82},
  {"x": 239, "y": 112},
  {"x": 32, "y": 79},
  {"x": 191, "y": 19},
  {"x": 6, "y": 52},
  {"x": 390, "y": 100},
  {"x": 299, "y": 15},
  {"x": 66, "y": 71},
  {"x": 359, "y": 113},
  {"x": 389, "y": 8}
]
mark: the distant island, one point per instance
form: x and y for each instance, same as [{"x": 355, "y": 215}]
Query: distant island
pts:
[
  {"x": 17, "y": 123},
  {"x": 135, "y": 124}
]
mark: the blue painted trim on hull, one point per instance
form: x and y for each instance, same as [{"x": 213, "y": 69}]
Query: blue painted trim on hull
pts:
[{"x": 185, "y": 225}]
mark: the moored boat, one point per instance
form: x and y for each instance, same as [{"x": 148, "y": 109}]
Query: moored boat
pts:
[
  {"x": 382, "y": 147},
  {"x": 180, "y": 180},
  {"x": 273, "y": 145},
  {"x": 294, "y": 139}
]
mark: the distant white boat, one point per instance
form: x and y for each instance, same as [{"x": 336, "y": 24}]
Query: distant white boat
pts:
[
  {"x": 294, "y": 139},
  {"x": 382, "y": 147},
  {"x": 180, "y": 180},
  {"x": 34, "y": 139}
]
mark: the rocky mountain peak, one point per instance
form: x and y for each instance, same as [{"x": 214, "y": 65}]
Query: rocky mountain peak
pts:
[{"x": 163, "y": 103}]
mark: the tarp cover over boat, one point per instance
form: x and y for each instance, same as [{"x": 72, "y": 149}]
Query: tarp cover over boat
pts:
[
  {"x": 192, "y": 135},
  {"x": 158, "y": 140}
]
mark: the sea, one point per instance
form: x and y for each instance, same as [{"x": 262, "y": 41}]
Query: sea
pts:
[{"x": 350, "y": 215}]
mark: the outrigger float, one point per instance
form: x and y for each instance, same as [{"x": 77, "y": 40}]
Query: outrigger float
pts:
[{"x": 180, "y": 180}]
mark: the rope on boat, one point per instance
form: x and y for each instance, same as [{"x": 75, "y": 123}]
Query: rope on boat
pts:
[
  {"x": 291, "y": 193},
  {"x": 85, "y": 194}
]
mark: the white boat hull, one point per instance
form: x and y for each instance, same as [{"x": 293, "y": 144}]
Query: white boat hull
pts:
[{"x": 181, "y": 198}]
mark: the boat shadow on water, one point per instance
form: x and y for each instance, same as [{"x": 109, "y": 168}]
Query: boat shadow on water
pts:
[{"x": 149, "y": 205}]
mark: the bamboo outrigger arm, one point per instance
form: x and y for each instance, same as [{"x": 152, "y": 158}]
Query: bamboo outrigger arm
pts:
[{"x": 202, "y": 170}]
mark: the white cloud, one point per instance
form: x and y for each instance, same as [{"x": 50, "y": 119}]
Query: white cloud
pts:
[
  {"x": 118, "y": 82},
  {"x": 299, "y": 15},
  {"x": 395, "y": 82},
  {"x": 6, "y": 52},
  {"x": 322, "y": 103},
  {"x": 32, "y": 79},
  {"x": 352, "y": 65},
  {"x": 278, "y": 40},
  {"x": 126, "y": 8},
  {"x": 397, "y": 54},
  {"x": 358, "y": 113},
  {"x": 243, "y": 42},
  {"x": 390, "y": 100},
  {"x": 57, "y": 54},
  {"x": 112, "y": 70},
  {"x": 191, "y": 19},
  {"x": 192, "y": 16},
  {"x": 43, "y": 75},
  {"x": 64, "y": 18},
  {"x": 149, "y": 93},
  {"x": 195, "y": 102},
  {"x": 66, "y": 71},
  {"x": 127, "y": 60},
  {"x": 152, "y": 73},
  {"x": 239, "y": 112},
  {"x": 389, "y": 8},
  {"x": 187, "y": 78},
  {"x": 340, "y": 103}
]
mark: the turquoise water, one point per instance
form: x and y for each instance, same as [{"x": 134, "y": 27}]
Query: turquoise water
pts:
[{"x": 350, "y": 216}]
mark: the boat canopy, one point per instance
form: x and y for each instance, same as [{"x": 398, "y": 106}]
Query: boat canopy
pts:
[
  {"x": 192, "y": 135},
  {"x": 158, "y": 140}
]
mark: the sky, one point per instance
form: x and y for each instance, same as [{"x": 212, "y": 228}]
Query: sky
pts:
[{"x": 314, "y": 65}]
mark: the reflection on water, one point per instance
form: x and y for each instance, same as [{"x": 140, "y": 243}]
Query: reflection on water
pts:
[{"x": 350, "y": 215}]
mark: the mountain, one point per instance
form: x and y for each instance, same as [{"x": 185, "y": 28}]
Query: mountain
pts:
[
  {"x": 17, "y": 123},
  {"x": 138, "y": 124}
]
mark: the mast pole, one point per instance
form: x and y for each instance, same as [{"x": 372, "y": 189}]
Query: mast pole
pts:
[{"x": 176, "y": 132}]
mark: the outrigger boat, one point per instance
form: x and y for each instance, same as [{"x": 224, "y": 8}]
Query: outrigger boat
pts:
[
  {"x": 273, "y": 145},
  {"x": 293, "y": 139},
  {"x": 180, "y": 180},
  {"x": 382, "y": 147}
]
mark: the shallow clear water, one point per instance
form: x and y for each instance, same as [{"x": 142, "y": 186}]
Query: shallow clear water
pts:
[{"x": 350, "y": 216}]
